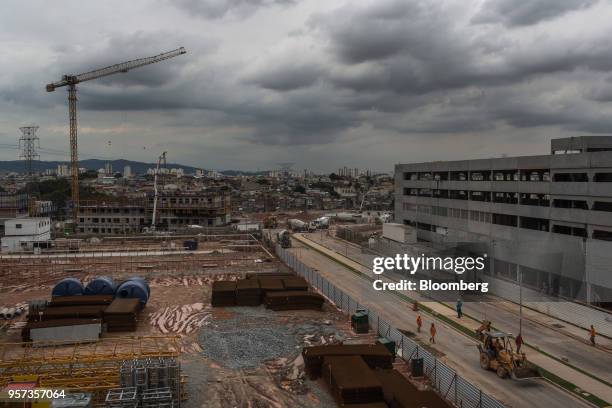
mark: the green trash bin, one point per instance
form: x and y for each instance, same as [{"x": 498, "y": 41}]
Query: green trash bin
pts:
[
  {"x": 417, "y": 367},
  {"x": 360, "y": 322},
  {"x": 389, "y": 344}
]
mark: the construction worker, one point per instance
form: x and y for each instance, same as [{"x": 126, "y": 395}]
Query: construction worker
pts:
[
  {"x": 519, "y": 342},
  {"x": 458, "y": 306},
  {"x": 419, "y": 323},
  {"x": 432, "y": 333},
  {"x": 592, "y": 333}
]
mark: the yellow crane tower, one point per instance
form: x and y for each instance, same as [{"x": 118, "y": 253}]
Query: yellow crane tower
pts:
[{"x": 71, "y": 81}]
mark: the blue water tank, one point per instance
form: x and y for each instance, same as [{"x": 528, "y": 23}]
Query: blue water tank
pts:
[
  {"x": 134, "y": 289},
  {"x": 143, "y": 281},
  {"x": 101, "y": 285},
  {"x": 68, "y": 287}
]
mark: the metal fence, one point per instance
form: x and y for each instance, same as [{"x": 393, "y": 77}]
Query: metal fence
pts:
[{"x": 444, "y": 379}]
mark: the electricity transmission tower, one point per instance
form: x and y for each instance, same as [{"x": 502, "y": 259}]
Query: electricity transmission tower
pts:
[{"x": 28, "y": 143}]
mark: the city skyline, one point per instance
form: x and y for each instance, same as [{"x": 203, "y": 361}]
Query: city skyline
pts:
[{"x": 364, "y": 84}]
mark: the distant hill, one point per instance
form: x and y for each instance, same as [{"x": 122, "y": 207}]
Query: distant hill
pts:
[{"x": 118, "y": 165}]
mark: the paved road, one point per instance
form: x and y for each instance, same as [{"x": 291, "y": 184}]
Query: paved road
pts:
[
  {"x": 504, "y": 316},
  {"x": 460, "y": 351}
]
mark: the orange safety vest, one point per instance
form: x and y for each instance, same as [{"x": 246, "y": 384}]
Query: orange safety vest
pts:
[
  {"x": 419, "y": 321},
  {"x": 593, "y": 332},
  {"x": 432, "y": 330}
]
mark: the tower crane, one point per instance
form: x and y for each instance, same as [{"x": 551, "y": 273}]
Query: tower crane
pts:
[{"x": 71, "y": 81}]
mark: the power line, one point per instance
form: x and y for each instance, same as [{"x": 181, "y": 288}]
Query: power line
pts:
[{"x": 55, "y": 152}]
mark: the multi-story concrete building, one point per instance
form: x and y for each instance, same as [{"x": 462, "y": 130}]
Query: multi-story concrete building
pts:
[
  {"x": 175, "y": 210},
  {"x": 545, "y": 220},
  {"x": 113, "y": 217},
  {"x": 209, "y": 208}
]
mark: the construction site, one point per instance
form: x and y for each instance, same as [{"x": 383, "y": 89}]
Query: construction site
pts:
[
  {"x": 172, "y": 287},
  {"x": 215, "y": 321}
]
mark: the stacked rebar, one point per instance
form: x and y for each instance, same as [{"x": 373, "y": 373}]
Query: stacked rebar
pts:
[
  {"x": 351, "y": 381},
  {"x": 374, "y": 355},
  {"x": 223, "y": 293},
  {"x": 278, "y": 291},
  {"x": 401, "y": 393},
  {"x": 248, "y": 292},
  {"x": 293, "y": 300},
  {"x": 295, "y": 283},
  {"x": 122, "y": 315}
]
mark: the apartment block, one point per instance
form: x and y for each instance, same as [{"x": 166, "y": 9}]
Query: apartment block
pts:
[{"x": 544, "y": 221}]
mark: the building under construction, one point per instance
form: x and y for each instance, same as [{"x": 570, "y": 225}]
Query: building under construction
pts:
[
  {"x": 174, "y": 211},
  {"x": 12, "y": 206}
]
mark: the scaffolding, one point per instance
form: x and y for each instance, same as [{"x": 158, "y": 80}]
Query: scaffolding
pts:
[{"x": 88, "y": 367}]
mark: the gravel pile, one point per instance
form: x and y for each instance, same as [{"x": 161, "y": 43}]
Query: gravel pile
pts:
[
  {"x": 254, "y": 335},
  {"x": 248, "y": 347}
]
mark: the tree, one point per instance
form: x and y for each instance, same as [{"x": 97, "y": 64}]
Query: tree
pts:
[
  {"x": 89, "y": 174},
  {"x": 299, "y": 189}
]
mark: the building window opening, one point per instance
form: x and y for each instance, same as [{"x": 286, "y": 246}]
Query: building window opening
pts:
[{"x": 571, "y": 177}]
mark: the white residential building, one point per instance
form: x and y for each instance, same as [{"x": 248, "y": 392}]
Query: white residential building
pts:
[{"x": 23, "y": 233}]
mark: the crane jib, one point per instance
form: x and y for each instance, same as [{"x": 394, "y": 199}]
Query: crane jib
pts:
[{"x": 113, "y": 69}]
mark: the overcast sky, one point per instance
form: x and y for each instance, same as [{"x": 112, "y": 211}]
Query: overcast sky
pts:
[{"x": 319, "y": 83}]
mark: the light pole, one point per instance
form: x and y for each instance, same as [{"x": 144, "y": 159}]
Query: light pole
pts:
[{"x": 520, "y": 298}]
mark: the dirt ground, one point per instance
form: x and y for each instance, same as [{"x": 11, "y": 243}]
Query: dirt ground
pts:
[{"x": 181, "y": 306}]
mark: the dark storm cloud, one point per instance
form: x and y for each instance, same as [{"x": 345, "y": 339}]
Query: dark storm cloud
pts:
[
  {"x": 392, "y": 67},
  {"x": 419, "y": 48},
  {"x": 296, "y": 123},
  {"x": 157, "y": 86},
  {"x": 601, "y": 91},
  {"x": 220, "y": 8},
  {"x": 414, "y": 60},
  {"x": 527, "y": 12},
  {"x": 285, "y": 78}
]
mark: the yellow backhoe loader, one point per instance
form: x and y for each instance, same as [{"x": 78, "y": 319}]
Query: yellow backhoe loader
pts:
[{"x": 496, "y": 354}]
